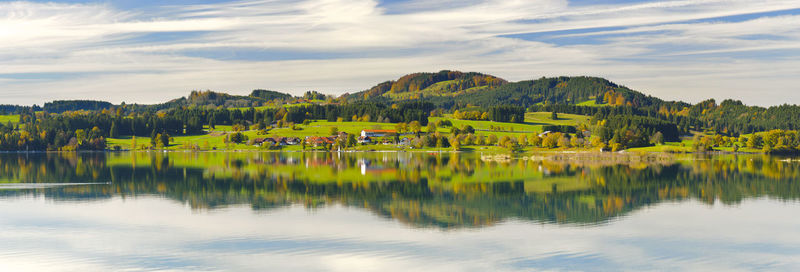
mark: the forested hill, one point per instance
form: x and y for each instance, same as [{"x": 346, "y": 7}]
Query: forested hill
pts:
[
  {"x": 421, "y": 85},
  {"x": 60, "y": 106},
  {"x": 269, "y": 95},
  {"x": 12, "y": 109},
  {"x": 450, "y": 89},
  {"x": 557, "y": 90},
  {"x": 195, "y": 99}
]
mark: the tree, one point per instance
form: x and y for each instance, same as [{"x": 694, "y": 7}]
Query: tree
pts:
[
  {"x": 415, "y": 127},
  {"x": 492, "y": 139},
  {"x": 80, "y": 135},
  {"x": 333, "y": 130},
  {"x": 504, "y": 140},
  {"x": 470, "y": 139},
  {"x": 237, "y": 137},
  {"x": 114, "y": 132},
  {"x": 351, "y": 140},
  {"x": 755, "y": 141},
  {"x": 442, "y": 141},
  {"x": 598, "y": 142},
  {"x": 431, "y": 127},
  {"x": 535, "y": 140},
  {"x": 554, "y": 115},
  {"x": 523, "y": 141},
  {"x": 551, "y": 140},
  {"x": 401, "y": 127},
  {"x": 164, "y": 140},
  {"x": 480, "y": 140},
  {"x": 563, "y": 141},
  {"x": 657, "y": 139},
  {"x": 455, "y": 143}
]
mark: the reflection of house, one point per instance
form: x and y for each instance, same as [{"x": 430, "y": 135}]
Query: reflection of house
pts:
[
  {"x": 368, "y": 167},
  {"x": 377, "y": 132},
  {"x": 364, "y": 140}
]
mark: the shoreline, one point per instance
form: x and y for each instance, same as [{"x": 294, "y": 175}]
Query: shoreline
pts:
[{"x": 559, "y": 152}]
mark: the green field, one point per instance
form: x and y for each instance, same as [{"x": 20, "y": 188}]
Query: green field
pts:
[
  {"x": 591, "y": 103},
  {"x": 4, "y": 119},
  {"x": 214, "y": 139},
  {"x": 685, "y": 146},
  {"x": 442, "y": 88},
  {"x": 534, "y": 121},
  {"x": 323, "y": 128}
]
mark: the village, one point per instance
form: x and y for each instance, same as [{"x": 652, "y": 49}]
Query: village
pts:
[{"x": 367, "y": 136}]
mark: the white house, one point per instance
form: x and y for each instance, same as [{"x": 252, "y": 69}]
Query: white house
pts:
[{"x": 377, "y": 132}]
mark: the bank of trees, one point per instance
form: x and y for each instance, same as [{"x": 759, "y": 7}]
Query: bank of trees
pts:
[{"x": 48, "y": 131}]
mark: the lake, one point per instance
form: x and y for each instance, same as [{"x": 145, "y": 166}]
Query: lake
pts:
[{"x": 241, "y": 211}]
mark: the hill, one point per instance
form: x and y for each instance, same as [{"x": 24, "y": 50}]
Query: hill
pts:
[
  {"x": 420, "y": 85},
  {"x": 218, "y": 99},
  {"x": 449, "y": 89},
  {"x": 60, "y": 106},
  {"x": 269, "y": 95}
]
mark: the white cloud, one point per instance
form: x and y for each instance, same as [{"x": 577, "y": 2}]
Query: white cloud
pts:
[{"x": 91, "y": 50}]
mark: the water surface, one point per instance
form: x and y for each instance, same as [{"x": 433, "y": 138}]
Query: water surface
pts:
[{"x": 396, "y": 212}]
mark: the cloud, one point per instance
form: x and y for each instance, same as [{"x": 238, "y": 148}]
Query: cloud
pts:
[{"x": 68, "y": 51}]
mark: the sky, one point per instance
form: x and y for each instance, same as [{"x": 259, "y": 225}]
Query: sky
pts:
[{"x": 146, "y": 51}]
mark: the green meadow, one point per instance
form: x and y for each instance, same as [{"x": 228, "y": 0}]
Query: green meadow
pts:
[
  {"x": 5, "y": 119},
  {"x": 534, "y": 122}
]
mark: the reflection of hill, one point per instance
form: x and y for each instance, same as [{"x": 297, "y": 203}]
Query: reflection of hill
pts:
[{"x": 421, "y": 190}]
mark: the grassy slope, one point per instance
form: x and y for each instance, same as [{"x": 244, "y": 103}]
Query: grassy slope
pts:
[
  {"x": 214, "y": 139},
  {"x": 676, "y": 147},
  {"x": 443, "y": 88},
  {"x": 4, "y": 119},
  {"x": 591, "y": 103},
  {"x": 533, "y": 124}
]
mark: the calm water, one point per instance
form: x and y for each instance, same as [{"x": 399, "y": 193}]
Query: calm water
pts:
[{"x": 396, "y": 212}]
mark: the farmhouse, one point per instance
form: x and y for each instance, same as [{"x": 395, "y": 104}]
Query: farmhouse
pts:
[
  {"x": 377, "y": 132},
  {"x": 276, "y": 140},
  {"x": 364, "y": 140},
  {"x": 293, "y": 141},
  {"x": 317, "y": 141}
]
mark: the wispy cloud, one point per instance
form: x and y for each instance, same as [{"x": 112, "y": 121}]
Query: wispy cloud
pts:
[{"x": 685, "y": 50}]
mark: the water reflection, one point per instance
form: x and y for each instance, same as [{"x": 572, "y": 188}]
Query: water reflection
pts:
[{"x": 422, "y": 190}]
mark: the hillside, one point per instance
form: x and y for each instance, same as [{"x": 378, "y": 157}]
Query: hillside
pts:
[
  {"x": 60, "y": 106},
  {"x": 448, "y": 89},
  {"x": 421, "y": 85},
  {"x": 269, "y": 95}
]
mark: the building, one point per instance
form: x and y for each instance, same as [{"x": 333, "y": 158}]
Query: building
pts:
[
  {"x": 405, "y": 141},
  {"x": 292, "y": 141},
  {"x": 318, "y": 141},
  {"x": 258, "y": 141},
  {"x": 364, "y": 140},
  {"x": 377, "y": 132}
]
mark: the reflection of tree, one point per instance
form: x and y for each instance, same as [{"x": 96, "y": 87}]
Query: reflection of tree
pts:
[{"x": 421, "y": 190}]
